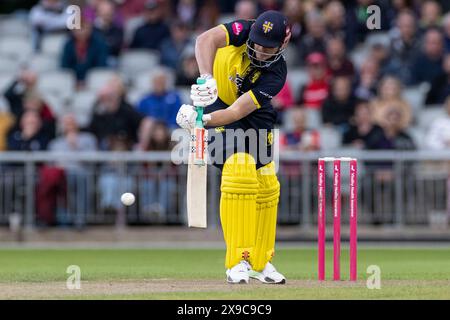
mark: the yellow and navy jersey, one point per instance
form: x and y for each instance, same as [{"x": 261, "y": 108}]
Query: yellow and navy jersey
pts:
[{"x": 235, "y": 75}]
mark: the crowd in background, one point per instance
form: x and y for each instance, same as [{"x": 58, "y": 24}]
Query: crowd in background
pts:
[{"x": 362, "y": 101}]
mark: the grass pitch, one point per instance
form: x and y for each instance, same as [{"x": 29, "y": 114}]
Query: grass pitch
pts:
[{"x": 406, "y": 273}]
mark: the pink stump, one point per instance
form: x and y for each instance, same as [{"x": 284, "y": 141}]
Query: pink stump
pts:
[
  {"x": 353, "y": 219},
  {"x": 336, "y": 219},
  {"x": 321, "y": 219}
]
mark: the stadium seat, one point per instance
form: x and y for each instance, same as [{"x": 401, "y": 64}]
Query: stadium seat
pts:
[
  {"x": 53, "y": 44},
  {"x": 313, "y": 119},
  {"x": 225, "y": 18},
  {"x": 130, "y": 27},
  {"x": 82, "y": 105},
  {"x": 13, "y": 27},
  {"x": 415, "y": 96},
  {"x": 418, "y": 136},
  {"x": 59, "y": 83},
  {"x": 9, "y": 65},
  {"x": 137, "y": 61},
  {"x": 378, "y": 38},
  {"x": 56, "y": 102},
  {"x": 185, "y": 94},
  {"x": 19, "y": 49},
  {"x": 297, "y": 78},
  {"x": 428, "y": 115},
  {"x": 358, "y": 56},
  {"x": 135, "y": 95},
  {"x": 143, "y": 81},
  {"x": 291, "y": 56},
  {"x": 97, "y": 77},
  {"x": 4, "y": 105},
  {"x": 6, "y": 80},
  {"x": 42, "y": 63},
  {"x": 330, "y": 138}
]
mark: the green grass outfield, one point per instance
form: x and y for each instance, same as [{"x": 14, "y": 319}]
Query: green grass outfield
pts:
[{"x": 406, "y": 273}]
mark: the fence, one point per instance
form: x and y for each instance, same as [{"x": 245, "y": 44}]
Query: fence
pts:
[{"x": 395, "y": 188}]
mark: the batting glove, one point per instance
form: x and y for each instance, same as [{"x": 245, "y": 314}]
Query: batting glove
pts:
[
  {"x": 187, "y": 116},
  {"x": 203, "y": 95}
]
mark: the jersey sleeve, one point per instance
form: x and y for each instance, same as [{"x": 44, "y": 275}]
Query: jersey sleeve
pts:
[
  {"x": 267, "y": 87},
  {"x": 237, "y": 32}
]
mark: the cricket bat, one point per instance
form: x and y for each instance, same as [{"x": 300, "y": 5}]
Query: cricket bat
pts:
[{"x": 197, "y": 172}]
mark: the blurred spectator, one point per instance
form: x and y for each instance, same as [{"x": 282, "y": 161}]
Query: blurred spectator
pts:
[
  {"x": 186, "y": 11},
  {"x": 28, "y": 134},
  {"x": 396, "y": 8},
  {"x": 115, "y": 177},
  {"x": 335, "y": 19},
  {"x": 440, "y": 87},
  {"x": 379, "y": 52},
  {"x": 163, "y": 102},
  {"x": 367, "y": 80},
  {"x": 91, "y": 11},
  {"x": 392, "y": 136},
  {"x": 72, "y": 140},
  {"x": 264, "y": 5},
  {"x": 446, "y": 28},
  {"x": 114, "y": 117},
  {"x": 6, "y": 122},
  {"x": 438, "y": 136},
  {"x": 404, "y": 46},
  {"x": 361, "y": 127},
  {"x": 158, "y": 186},
  {"x": 245, "y": 10},
  {"x": 154, "y": 30},
  {"x": 300, "y": 138},
  {"x": 430, "y": 14},
  {"x": 284, "y": 99},
  {"x": 74, "y": 176},
  {"x": 208, "y": 15},
  {"x": 83, "y": 51},
  {"x": 48, "y": 16},
  {"x": 338, "y": 62},
  {"x": 130, "y": 8},
  {"x": 315, "y": 38},
  {"x": 339, "y": 107},
  {"x": 390, "y": 96},
  {"x": 187, "y": 73},
  {"x": 357, "y": 16},
  {"x": 294, "y": 11},
  {"x": 22, "y": 96},
  {"x": 110, "y": 30},
  {"x": 316, "y": 90},
  {"x": 172, "y": 48},
  {"x": 428, "y": 64}
]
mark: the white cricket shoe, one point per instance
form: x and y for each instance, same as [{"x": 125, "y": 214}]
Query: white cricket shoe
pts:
[
  {"x": 268, "y": 275},
  {"x": 239, "y": 273}
]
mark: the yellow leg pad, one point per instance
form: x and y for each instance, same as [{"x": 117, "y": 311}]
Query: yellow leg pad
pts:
[
  {"x": 238, "y": 207},
  {"x": 266, "y": 216}
]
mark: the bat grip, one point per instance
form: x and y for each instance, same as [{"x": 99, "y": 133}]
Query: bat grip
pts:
[{"x": 199, "y": 120}]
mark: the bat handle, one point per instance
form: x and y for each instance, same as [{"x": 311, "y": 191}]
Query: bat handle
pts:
[{"x": 199, "y": 120}]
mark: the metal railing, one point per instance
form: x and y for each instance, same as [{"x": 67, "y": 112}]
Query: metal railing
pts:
[{"x": 395, "y": 188}]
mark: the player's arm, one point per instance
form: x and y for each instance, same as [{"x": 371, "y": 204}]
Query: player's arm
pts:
[
  {"x": 206, "y": 47},
  {"x": 242, "y": 107}
]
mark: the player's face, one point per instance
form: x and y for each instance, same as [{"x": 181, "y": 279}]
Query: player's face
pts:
[{"x": 263, "y": 53}]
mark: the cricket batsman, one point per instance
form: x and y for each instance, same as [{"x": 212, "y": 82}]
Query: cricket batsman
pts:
[{"x": 243, "y": 68}]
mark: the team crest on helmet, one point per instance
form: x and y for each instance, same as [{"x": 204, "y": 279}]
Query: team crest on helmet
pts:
[{"x": 267, "y": 26}]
